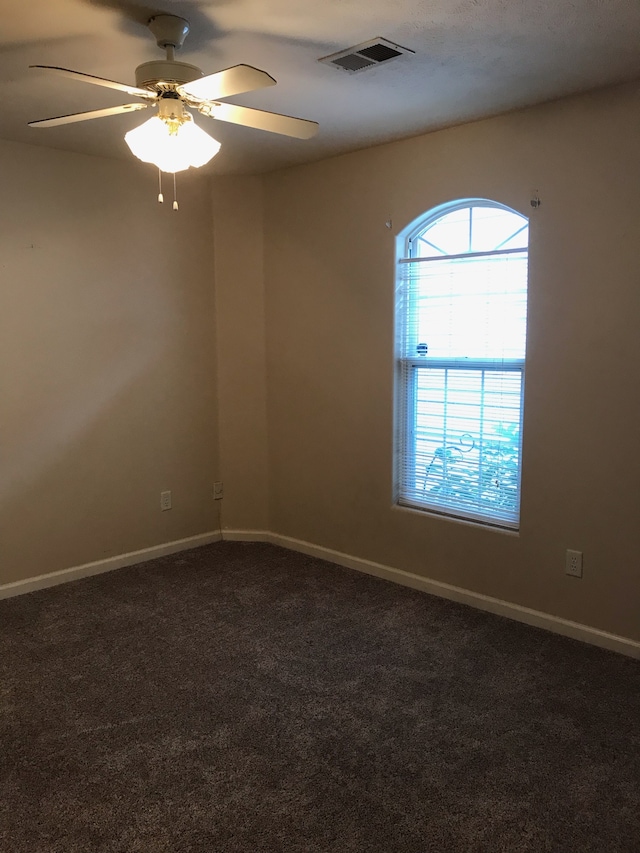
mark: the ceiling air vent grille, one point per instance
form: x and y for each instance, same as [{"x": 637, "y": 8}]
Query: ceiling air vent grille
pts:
[{"x": 366, "y": 55}]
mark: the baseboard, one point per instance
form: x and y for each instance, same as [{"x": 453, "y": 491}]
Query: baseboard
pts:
[
  {"x": 249, "y": 536},
  {"x": 99, "y": 566},
  {"x": 536, "y": 618}
]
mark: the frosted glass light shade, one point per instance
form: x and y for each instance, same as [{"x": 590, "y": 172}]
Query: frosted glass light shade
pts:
[{"x": 188, "y": 145}]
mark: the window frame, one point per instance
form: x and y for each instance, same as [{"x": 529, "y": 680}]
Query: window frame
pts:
[{"x": 407, "y": 368}]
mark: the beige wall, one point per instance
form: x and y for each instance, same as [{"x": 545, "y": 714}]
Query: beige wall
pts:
[
  {"x": 239, "y": 277},
  {"x": 329, "y": 320},
  {"x": 107, "y": 361}
]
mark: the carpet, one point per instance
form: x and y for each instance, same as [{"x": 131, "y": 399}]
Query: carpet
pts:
[{"x": 242, "y": 698}]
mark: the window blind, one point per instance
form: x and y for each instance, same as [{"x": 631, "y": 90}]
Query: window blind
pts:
[{"x": 460, "y": 349}]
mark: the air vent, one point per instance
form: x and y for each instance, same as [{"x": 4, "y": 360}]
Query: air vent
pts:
[{"x": 366, "y": 55}]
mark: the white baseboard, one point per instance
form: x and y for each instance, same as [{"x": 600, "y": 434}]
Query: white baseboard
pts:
[
  {"x": 99, "y": 566},
  {"x": 536, "y": 618},
  {"x": 249, "y": 536}
]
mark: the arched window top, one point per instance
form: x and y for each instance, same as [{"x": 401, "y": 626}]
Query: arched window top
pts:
[{"x": 467, "y": 227}]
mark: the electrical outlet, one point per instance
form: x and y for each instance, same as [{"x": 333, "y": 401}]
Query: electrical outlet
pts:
[
  {"x": 217, "y": 491},
  {"x": 573, "y": 564},
  {"x": 165, "y": 500}
]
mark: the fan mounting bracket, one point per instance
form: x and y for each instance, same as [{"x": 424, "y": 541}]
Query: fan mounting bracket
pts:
[{"x": 169, "y": 30}]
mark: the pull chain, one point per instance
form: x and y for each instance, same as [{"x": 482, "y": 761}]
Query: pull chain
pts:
[
  {"x": 175, "y": 200},
  {"x": 160, "y": 196}
]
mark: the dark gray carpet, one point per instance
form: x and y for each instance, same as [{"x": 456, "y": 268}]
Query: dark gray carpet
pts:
[{"x": 242, "y": 698}]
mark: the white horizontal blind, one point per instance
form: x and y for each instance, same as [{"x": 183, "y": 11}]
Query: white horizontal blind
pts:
[{"x": 461, "y": 331}]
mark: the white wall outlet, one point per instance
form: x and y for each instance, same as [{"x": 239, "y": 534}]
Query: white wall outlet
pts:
[
  {"x": 573, "y": 564},
  {"x": 217, "y": 491},
  {"x": 165, "y": 500}
]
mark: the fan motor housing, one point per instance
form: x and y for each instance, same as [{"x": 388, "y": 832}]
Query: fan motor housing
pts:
[{"x": 153, "y": 75}]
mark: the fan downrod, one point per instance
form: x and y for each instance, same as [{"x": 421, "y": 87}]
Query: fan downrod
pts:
[{"x": 161, "y": 75}]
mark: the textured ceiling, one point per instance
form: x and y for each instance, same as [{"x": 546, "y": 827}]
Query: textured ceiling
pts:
[{"x": 473, "y": 58}]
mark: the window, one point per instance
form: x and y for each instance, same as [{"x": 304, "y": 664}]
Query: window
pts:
[{"x": 461, "y": 302}]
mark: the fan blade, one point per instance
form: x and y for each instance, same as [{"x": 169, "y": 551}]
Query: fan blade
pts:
[
  {"x": 222, "y": 84},
  {"x": 98, "y": 81},
  {"x": 73, "y": 117},
  {"x": 261, "y": 120}
]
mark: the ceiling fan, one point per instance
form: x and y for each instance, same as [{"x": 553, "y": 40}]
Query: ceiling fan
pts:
[{"x": 171, "y": 139}]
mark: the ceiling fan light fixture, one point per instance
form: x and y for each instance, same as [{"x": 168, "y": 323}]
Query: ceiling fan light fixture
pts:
[
  {"x": 172, "y": 143},
  {"x": 171, "y": 140}
]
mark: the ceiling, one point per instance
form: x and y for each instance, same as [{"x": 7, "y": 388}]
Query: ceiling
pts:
[{"x": 472, "y": 59}]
